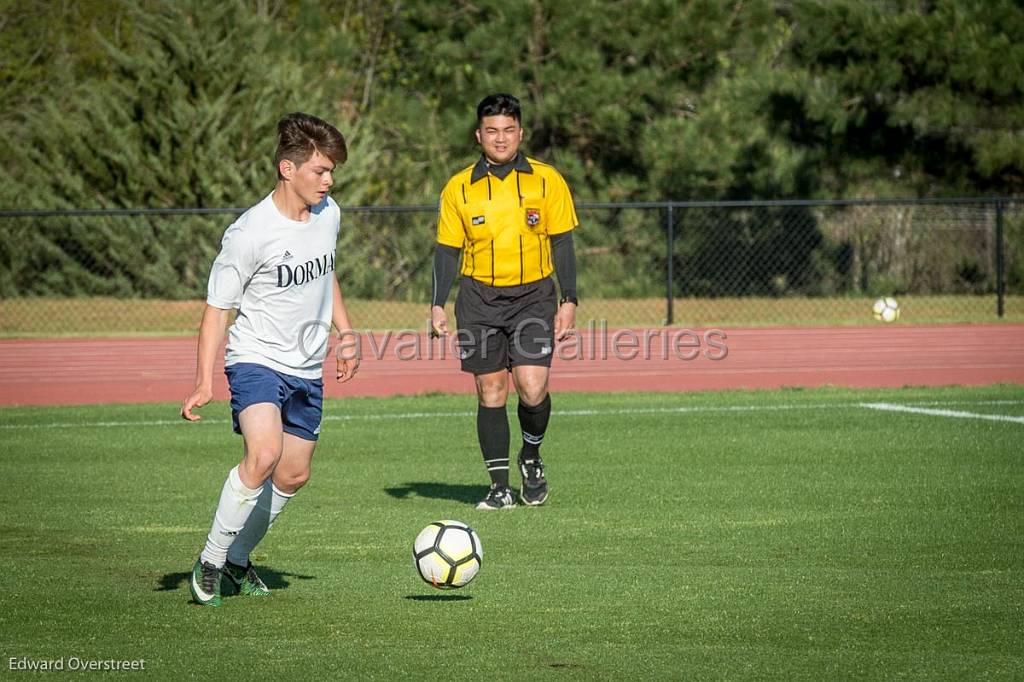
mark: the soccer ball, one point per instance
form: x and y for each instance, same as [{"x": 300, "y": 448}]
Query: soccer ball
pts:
[
  {"x": 447, "y": 554},
  {"x": 886, "y": 309}
]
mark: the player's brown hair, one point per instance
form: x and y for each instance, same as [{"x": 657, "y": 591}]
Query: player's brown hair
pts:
[{"x": 301, "y": 135}]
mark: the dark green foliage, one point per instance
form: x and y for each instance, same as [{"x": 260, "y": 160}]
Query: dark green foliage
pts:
[
  {"x": 761, "y": 251},
  {"x": 160, "y": 103},
  {"x": 129, "y": 256},
  {"x": 184, "y": 117},
  {"x": 925, "y": 98}
]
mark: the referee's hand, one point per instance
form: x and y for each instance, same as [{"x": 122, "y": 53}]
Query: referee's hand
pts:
[
  {"x": 565, "y": 321},
  {"x": 438, "y": 322}
]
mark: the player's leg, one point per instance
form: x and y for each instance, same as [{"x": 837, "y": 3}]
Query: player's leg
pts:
[
  {"x": 291, "y": 473},
  {"x": 534, "y": 410},
  {"x": 260, "y": 425},
  {"x": 534, "y": 413},
  {"x": 483, "y": 349},
  {"x": 530, "y": 355},
  {"x": 493, "y": 435},
  {"x": 492, "y": 417},
  {"x": 301, "y": 415},
  {"x": 237, "y": 569}
]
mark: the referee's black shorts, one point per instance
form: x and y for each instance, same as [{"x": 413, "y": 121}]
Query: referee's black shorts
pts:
[{"x": 503, "y": 327}]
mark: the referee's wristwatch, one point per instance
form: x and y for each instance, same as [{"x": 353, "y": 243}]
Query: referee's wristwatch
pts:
[{"x": 569, "y": 299}]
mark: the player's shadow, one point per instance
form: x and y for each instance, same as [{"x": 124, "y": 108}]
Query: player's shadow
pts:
[
  {"x": 459, "y": 492},
  {"x": 275, "y": 580},
  {"x": 438, "y": 597}
]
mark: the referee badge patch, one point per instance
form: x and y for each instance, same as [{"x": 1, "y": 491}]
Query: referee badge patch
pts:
[{"x": 533, "y": 217}]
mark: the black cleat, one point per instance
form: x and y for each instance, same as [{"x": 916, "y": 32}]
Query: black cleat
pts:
[
  {"x": 498, "y": 497},
  {"x": 205, "y": 584},
  {"x": 245, "y": 580},
  {"x": 535, "y": 486}
]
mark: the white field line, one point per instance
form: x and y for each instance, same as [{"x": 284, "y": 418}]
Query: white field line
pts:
[
  {"x": 695, "y": 409},
  {"x": 956, "y": 414},
  {"x": 448, "y": 415},
  {"x": 947, "y": 403}
]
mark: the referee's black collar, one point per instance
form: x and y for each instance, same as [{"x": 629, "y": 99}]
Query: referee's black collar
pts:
[{"x": 482, "y": 168}]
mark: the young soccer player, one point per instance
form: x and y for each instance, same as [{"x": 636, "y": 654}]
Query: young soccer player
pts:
[
  {"x": 276, "y": 266},
  {"x": 511, "y": 217}
]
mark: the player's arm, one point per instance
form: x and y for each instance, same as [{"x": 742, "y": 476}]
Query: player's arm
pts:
[
  {"x": 563, "y": 220},
  {"x": 211, "y": 333},
  {"x": 446, "y": 266},
  {"x": 450, "y": 239},
  {"x": 564, "y": 255},
  {"x": 232, "y": 267},
  {"x": 347, "y": 352}
]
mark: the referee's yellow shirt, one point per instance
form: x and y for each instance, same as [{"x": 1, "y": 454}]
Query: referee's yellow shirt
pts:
[{"x": 503, "y": 226}]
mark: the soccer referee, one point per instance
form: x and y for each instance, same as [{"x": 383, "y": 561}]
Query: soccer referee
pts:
[{"x": 511, "y": 217}]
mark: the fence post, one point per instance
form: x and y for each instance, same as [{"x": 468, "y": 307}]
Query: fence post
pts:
[
  {"x": 669, "y": 239},
  {"x": 1000, "y": 256}
]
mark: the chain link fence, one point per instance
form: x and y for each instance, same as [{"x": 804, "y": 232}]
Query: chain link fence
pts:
[{"x": 696, "y": 264}]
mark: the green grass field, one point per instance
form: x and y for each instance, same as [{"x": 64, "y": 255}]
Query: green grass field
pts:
[{"x": 771, "y": 535}]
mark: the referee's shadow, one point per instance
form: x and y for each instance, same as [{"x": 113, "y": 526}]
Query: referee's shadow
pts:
[{"x": 458, "y": 492}]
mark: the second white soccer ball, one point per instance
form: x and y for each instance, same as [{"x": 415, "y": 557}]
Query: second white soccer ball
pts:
[
  {"x": 447, "y": 554},
  {"x": 886, "y": 309}
]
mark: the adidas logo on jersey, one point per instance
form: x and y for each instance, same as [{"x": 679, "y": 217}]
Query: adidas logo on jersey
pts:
[{"x": 287, "y": 255}]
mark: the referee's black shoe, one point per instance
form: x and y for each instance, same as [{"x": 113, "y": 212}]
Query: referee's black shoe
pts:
[
  {"x": 498, "y": 497},
  {"x": 535, "y": 486}
]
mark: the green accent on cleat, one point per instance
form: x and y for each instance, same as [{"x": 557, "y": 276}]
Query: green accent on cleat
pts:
[
  {"x": 245, "y": 580},
  {"x": 205, "y": 584}
]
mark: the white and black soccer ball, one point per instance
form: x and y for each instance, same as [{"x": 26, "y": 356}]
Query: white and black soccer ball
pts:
[
  {"x": 447, "y": 554},
  {"x": 886, "y": 309}
]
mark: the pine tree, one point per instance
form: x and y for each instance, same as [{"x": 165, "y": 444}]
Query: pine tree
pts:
[{"x": 184, "y": 117}]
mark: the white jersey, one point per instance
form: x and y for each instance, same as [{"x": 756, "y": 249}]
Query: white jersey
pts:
[{"x": 277, "y": 272}]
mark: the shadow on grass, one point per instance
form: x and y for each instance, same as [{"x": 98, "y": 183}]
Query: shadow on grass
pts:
[
  {"x": 438, "y": 597},
  {"x": 275, "y": 580},
  {"x": 460, "y": 492}
]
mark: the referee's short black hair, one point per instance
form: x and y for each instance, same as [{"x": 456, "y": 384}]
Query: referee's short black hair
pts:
[{"x": 499, "y": 104}]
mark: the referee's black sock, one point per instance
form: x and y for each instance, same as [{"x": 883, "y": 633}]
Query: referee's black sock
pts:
[
  {"x": 533, "y": 420},
  {"x": 493, "y": 432}
]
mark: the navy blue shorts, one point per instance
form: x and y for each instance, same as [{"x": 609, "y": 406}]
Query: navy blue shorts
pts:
[{"x": 301, "y": 401}]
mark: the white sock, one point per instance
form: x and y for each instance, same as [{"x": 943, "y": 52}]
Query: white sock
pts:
[
  {"x": 270, "y": 503},
  {"x": 235, "y": 506}
]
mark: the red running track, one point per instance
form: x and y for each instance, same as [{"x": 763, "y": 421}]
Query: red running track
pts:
[{"x": 84, "y": 371}]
